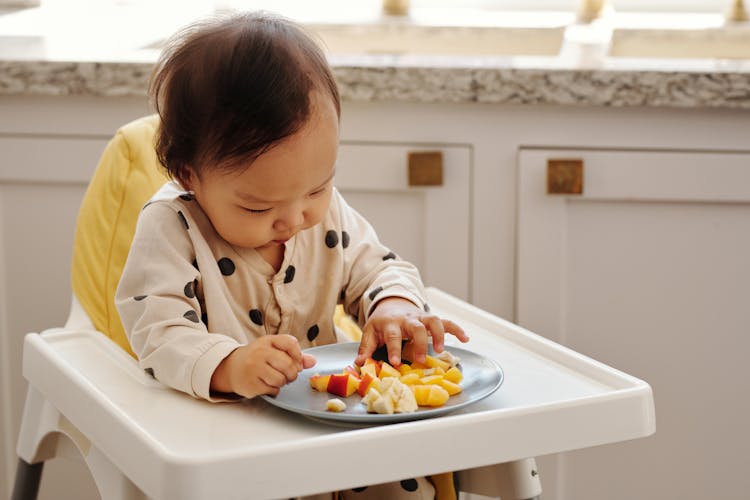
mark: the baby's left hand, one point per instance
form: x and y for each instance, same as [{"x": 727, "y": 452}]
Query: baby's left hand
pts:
[{"x": 395, "y": 319}]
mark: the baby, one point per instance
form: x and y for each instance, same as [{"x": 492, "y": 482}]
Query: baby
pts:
[{"x": 238, "y": 262}]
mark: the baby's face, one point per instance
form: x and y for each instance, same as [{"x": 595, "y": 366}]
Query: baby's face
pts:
[{"x": 285, "y": 190}]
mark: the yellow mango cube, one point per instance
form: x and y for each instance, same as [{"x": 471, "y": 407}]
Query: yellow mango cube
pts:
[
  {"x": 431, "y": 379},
  {"x": 430, "y": 395},
  {"x": 387, "y": 370},
  {"x": 454, "y": 375},
  {"x": 451, "y": 387},
  {"x": 433, "y": 362},
  {"x": 409, "y": 379}
]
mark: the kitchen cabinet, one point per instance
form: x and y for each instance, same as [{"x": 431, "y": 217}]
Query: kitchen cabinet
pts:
[
  {"x": 426, "y": 225},
  {"x": 647, "y": 271}
]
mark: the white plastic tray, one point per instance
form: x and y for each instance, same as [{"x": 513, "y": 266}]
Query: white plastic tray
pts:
[{"x": 175, "y": 447}]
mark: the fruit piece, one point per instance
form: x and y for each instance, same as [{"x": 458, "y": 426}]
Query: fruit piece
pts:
[
  {"x": 393, "y": 397},
  {"x": 366, "y": 383},
  {"x": 370, "y": 366},
  {"x": 335, "y": 405},
  {"x": 387, "y": 370},
  {"x": 404, "y": 369},
  {"x": 383, "y": 405},
  {"x": 454, "y": 375},
  {"x": 430, "y": 395},
  {"x": 319, "y": 382},
  {"x": 342, "y": 384},
  {"x": 438, "y": 396},
  {"x": 434, "y": 362},
  {"x": 451, "y": 387},
  {"x": 352, "y": 371},
  {"x": 409, "y": 378},
  {"x": 431, "y": 379},
  {"x": 449, "y": 358}
]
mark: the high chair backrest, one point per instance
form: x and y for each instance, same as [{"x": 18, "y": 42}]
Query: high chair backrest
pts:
[{"x": 127, "y": 175}]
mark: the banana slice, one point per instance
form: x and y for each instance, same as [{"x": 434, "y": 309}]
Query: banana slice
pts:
[{"x": 335, "y": 405}]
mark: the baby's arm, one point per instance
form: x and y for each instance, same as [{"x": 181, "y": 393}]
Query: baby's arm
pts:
[
  {"x": 386, "y": 294},
  {"x": 395, "y": 319},
  {"x": 261, "y": 367}
]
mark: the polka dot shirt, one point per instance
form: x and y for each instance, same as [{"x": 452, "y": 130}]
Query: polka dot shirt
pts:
[{"x": 187, "y": 298}]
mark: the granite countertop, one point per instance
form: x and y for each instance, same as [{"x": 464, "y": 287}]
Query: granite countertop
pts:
[{"x": 50, "y": 62}]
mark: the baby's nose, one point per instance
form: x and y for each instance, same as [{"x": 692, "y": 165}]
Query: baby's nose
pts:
[{"x": 290, "y": 220}]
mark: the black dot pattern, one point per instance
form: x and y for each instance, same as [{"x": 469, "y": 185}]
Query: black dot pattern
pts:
[
  {"x": 410, "y": 484},
  {"x": 389, "y": 256},
  {"x": 374, "y": 293},
  {"x": 332, "y": 239},
  {"x": 313, "y": 332},
  {"x": 149, "y": 371},
  {"x": 256, "y": 316},
  {"x": 183, "y": 219},
  {"x": 344, "y": 239},
  {"x": 140, "y": 297},
  {"x": 289, "y": 274},
  {"x": 190, "y": 290},
  {"x": 192, "y": 316},
  {"x": 360, "y": 489},
  {"x": 226, "y": 266},
  {"x": 426, "y": 307}
]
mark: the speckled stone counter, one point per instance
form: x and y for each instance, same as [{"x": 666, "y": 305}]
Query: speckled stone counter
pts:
[
  {"x": 571, "y": 78},
  {"x": 432, "y": 80}
]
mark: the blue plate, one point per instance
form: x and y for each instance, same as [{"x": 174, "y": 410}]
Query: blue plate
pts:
[{"x": 482, "y": 377}]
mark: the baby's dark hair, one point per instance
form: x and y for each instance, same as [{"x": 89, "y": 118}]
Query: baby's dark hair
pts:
[{"x": 228, "y": 88}]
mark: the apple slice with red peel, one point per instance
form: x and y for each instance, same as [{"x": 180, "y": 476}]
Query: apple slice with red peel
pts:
[
  {"x": 342, "y": 384},
  {"x": 319, "y": 382},
  {"x": 367, "y": 382}
]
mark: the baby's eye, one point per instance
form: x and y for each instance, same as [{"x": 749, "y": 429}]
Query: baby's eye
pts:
[
  {"x": 257, "y": 211},
  {"x": 319, "y": 191}
]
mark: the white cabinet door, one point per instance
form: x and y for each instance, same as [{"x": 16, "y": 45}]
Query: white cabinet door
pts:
[
  {"x": 648, "y": 270},
  {"x": 426, "y": 225}
]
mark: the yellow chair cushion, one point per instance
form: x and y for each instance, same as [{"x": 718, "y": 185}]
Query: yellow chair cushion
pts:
[{"x": 128, "y": 175}]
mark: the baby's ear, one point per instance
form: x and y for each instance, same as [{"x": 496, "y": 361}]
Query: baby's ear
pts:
[{"x": 186, "y": 177}]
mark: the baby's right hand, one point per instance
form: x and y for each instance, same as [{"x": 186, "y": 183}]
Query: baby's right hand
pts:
[{"x": 261, "y": 367}]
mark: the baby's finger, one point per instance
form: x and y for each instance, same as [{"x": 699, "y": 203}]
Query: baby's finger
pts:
[
  {"x": 418, "y": 334},
  {"x": 367, "y": 345},
  {"x": 435, "y": 327},
  {"x": 273, "y": 377},
  {"x": 308, "y": 361},
  {"x": 290, "y": 345},
  {"x": 285, "y": 365},
  {"x": 455, "y": 330},
  {"x": 392, "y": 337}
]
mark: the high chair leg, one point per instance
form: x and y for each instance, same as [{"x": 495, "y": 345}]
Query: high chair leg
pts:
[
  {"x": 517, "y": 480},
  {"x": 110, "y": 481},
  {"x": 28, "y": 476},
  {"x": 45, "y": 434}
]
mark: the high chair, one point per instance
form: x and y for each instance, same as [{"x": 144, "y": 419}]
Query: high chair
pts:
[{"x": 88, "y": 398}]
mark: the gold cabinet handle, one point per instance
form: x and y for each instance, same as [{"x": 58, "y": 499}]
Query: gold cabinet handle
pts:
[
  {"x": 565, "y": 176},
  {"x": 425, "y": 168}
]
